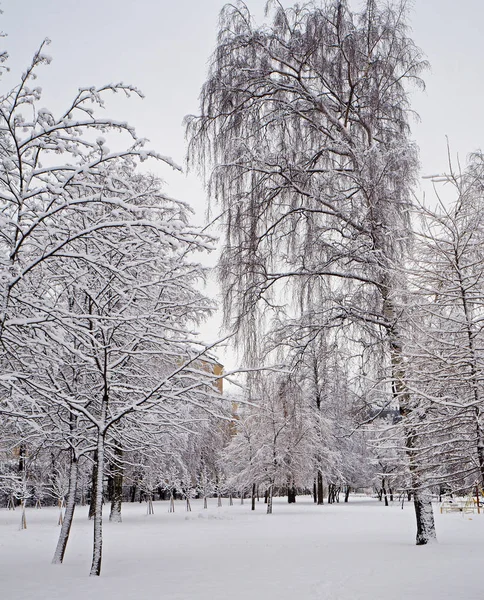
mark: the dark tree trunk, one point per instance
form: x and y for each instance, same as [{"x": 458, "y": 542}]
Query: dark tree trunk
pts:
[
  {"x": 384, "y": 491},
  {"x": 320, "y": 488},
  {"x": 253, "y": 497},
  {"x": 315, "y": 492},
  {"x": 347, "y": 493},
  {"x": 92, "y": 504},
  {"x": 110, "y": 485}
]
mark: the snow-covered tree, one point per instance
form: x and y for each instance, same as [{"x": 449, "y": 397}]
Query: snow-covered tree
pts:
[
  {"x": 98, "y": 295},
  {"x": 304, "y": 133}
]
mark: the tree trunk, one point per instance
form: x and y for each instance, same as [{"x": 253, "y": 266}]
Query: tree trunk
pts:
[
  {"x": 98, "y": 508},
  {"x": 253, "y": 497},
  {"x": 347, "y": 493},
  {"x": 425, "y": 518},
  {"x": 384, "y": 491},
  {"x": 480, "y": 444},
  {"x": 269, "y": 500},
  {"x": 320, "y": 490},
  {"x": 117, "y": 485},
  {"x": 422, "y": 502},
  {"x": 23, "y": 519},
  {"x": 149, "y": 504},
  {"x": 69, "y": 513},
  {"x": 315, "y": 492},
  {"x": 92, "y": 503}
]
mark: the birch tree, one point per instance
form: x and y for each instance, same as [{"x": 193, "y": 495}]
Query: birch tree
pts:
[{"x": 304, "y": 136}]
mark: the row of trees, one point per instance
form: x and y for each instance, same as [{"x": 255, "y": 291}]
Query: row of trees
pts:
[
  {"x": 99, "y": 297},
  {"x": 358, "y": 313}
]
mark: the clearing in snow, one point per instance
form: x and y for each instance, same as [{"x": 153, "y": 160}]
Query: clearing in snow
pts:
[{"x": 356, "y": 551}]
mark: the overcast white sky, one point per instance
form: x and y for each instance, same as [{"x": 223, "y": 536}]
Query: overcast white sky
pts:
[{"x": 163, "y": 47}]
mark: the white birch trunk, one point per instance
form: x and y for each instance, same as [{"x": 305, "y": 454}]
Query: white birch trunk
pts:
[{"x": 69, "y": 513}]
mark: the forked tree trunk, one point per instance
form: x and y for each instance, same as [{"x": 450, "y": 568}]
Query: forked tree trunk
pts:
[
  {"x": 69, "y": 513},
  {"x": 149, "y": 504},
  {"x": 384, "y": 491}
]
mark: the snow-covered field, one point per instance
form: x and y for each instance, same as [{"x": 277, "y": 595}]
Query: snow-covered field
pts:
[{"x": 354, "y": 551}]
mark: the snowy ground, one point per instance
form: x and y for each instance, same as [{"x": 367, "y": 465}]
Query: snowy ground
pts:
[{"x": 354, "y": 551}]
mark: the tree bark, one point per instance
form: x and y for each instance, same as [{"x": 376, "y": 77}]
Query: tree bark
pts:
[
  {"x": 425, "y": 518},
  {"x": 269, "y": 500},
  {"x": 320, "y": 488},
  {"x": 117, "y": 486},
  {"x": 69, "y": 513},
  {"x": 384, "y": 491},
  {"x": 92, "y": 503},
  {"x": 347, "y": 493},
  {"x": 98, "y": 508}
]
